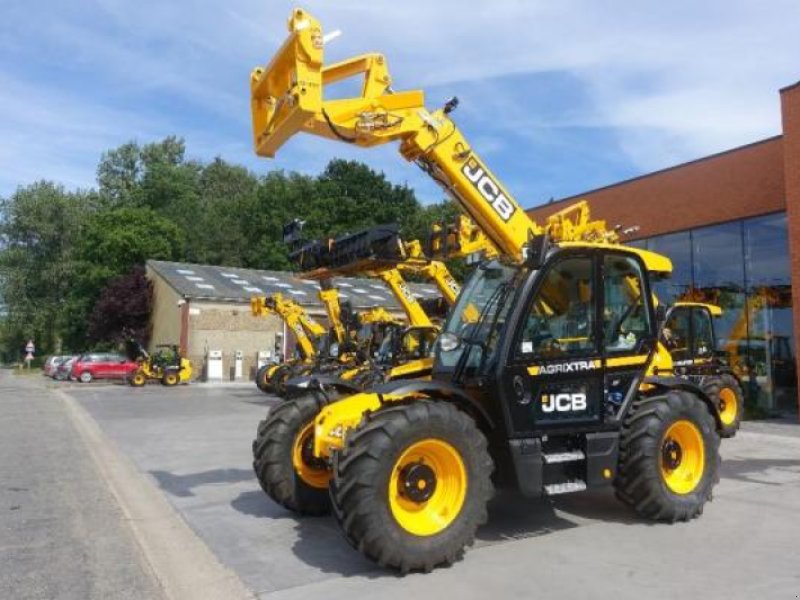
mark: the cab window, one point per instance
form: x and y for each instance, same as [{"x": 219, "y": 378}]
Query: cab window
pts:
[
  {"x": 677, "y": 334},
  {"x": 703, "y": 346},
  {"x": 560, "y": 322},
  {"x": 626, "y": 320}
]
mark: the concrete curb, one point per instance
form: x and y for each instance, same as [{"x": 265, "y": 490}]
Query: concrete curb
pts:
[{"x": 181, "y": 563}]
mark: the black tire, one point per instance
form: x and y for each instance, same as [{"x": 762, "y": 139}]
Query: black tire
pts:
[
  {"x": 137, "y": 379},
  {"x": 170, "y": 379},
  {"x": 272, "y": 456},
  {"x": 261, "y": 379},
  {"x": 728, "y": 397},
  {"x": 85, "y": 377},
  {"x": 640, "y": 482},
  {"x": 277, "y": 381},
  {"x": 362, "y": 474}
]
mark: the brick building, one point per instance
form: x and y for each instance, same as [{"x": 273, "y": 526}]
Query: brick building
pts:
[{"x": 730, "y": 222}]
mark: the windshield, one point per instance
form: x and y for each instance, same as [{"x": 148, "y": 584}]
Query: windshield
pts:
[{"x": 476, "y": 310}]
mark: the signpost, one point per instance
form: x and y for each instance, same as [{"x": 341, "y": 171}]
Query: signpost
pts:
[{"x": 30, "y": 348}]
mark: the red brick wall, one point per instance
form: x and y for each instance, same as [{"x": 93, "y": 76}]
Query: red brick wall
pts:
[
  {"x": 790, "y": 109},
  {"x": 743, "y": 182}
]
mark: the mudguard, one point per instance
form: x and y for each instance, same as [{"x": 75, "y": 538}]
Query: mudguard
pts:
[
  {"x": 297, "y": 386},
  {"x": 443, "y": 390},
  {"x": 679, "y": 383}
]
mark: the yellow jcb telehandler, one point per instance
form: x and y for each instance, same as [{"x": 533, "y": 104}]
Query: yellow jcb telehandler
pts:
[{"x": 561, "y": 384}]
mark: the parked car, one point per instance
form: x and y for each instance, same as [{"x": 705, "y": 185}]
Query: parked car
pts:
[
  {"x": 51, "y": 365},
  {"x": 100, "y": 365},
  {"x": 63, "y": 370}
]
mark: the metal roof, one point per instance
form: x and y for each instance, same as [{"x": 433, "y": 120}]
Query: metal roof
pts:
[{"x": 231, "y": 284}]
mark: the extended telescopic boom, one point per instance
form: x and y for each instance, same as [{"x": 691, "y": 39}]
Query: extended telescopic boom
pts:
[{"x": 287, "y": 97}]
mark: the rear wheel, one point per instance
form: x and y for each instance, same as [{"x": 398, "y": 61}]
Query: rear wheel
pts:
[
  {"x": 727, "y": 394},
  {"x": 669, "y": 457},
  {"x": 86, "y": 377},
  {"x": 411, "y": 487},
  {"x": 137, "y": 379},
  {"x": 283, "y": 460}
]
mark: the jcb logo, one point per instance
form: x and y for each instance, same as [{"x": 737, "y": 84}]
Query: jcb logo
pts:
[
  {"x": 488, "y": 189},
  {"x": 453, "y": 285},
  {"x": 406, "y": 291},
  {"x": 563, "y": 402}
]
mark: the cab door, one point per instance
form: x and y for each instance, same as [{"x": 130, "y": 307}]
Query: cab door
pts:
[
  {"x": 554, "y": 373},
  {"x": 629, "y": 330}
]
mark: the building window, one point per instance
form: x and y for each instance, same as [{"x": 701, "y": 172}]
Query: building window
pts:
[
  {"x": 678, "y": 247},
  {"x": 743, "y": 267},
  {"x": 772, "y": 376}
]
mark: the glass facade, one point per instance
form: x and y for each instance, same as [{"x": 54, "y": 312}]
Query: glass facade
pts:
[{"x": 743, "y": 267}]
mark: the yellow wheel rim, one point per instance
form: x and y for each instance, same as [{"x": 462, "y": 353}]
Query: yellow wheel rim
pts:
[
  {"x": 172, "y": 379},
  {"x": 138, "y": 379},
  {"x": 427, "y": 487},
  {"x": 682, "y": 457},
  {"x": 310, "y": 470},
  {"x": 728, "y": 406}
]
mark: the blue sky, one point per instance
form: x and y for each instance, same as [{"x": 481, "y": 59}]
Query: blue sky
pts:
[{"x": 558, "y": 97}]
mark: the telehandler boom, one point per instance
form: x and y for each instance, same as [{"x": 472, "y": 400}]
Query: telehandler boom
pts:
[
  {"x": 307, "y": 331},
  {"x": 560, "y": 384}
]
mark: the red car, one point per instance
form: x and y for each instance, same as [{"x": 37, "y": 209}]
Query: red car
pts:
[{"x": 102, "y": 366}]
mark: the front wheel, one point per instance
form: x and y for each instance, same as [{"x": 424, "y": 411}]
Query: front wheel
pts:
[
  {"x": 411, "y": 486},
  {"x": 727, "y": 394},
  {"x": 276, "y": 383},
  {"x": 86, "y": 377},
  {"x": 262, "y": 378},
  {"x": 170, "y": 378},
  {"x": 137, "y": 379},
  {"x": 669, "y": 457},
  {"x": 283, "y": 460}
]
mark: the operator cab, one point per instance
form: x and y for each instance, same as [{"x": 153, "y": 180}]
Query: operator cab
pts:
[{"x": 564, "y": 341}]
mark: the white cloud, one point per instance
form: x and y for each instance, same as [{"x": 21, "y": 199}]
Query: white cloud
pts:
[{"x": 673, "y": 81}]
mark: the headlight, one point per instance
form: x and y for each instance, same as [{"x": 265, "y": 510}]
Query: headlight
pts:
[{"x": 448, "y": 342}]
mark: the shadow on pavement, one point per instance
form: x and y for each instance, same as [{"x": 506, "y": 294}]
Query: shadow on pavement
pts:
[
  {"x": 183, "y": 485},
  {"x": 514, "y": 517},
  {"x": 749, "y": 469},
  {"x": 320, "y": 543}
]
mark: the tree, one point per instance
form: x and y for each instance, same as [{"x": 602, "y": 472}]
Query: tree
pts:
[
  {"x": 112, "y": 243},
  {"x": 351, "y": 196},
  {"x": 40, "y": 226},
  {"x": 122, "y": 169},
  {"x": 122, "y": 310},
  {"x": 220, "y": 232}
]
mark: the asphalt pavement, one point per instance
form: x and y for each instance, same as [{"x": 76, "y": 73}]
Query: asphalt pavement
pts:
[
  {"x": 62, "y": 532},
  {"x": 193, "y": 443}
]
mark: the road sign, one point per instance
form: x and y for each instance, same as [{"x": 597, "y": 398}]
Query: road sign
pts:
[{"x": 29, "y": 347}]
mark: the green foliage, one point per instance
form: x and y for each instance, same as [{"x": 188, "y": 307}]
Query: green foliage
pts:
[
  {"x": 60, "y": 250},
  {"x": 40, "y": 226},
  {"x": 122, "y": 169},
  {"x": 112, "y": 243}
]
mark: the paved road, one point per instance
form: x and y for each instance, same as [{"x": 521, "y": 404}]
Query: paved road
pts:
[
  {"x": 194, "y": 443},
  {"x": 62, "y": 534}
]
